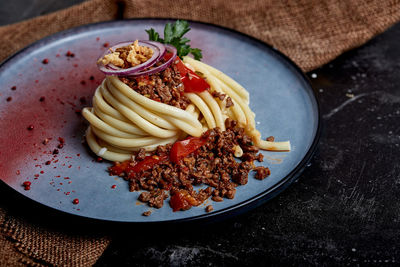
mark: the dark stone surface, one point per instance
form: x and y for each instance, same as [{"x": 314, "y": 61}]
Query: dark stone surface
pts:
[{"x": 345, "y": 208}]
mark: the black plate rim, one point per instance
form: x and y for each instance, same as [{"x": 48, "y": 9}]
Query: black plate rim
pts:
[{"x": 233, "y": 210}]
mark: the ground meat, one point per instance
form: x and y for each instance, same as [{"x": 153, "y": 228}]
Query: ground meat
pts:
[
  {"x": 154, "y": 198},
  {"x": 213, "y": 164},
  {"x": 218, "y": 95},
  {"x": 217, "y": 198},
  {"x": 146, "y": 213},
  {"x": 144, "y": 196},
  {"x": 260, "y": 157},
  {"x": 251, "y": 148},
  {"x": 230, "y": 194},
  {"x": 165, "y": 86},
  {"x": 270, "y": 139},
  {"x": 262, "y": 172},
  {"x": 229, "y": 102},
  {"x": 252, "y": 156},
  {"x": 140, "y": 155},
  {"x": 164, "y": 93},
  {"x": 157, "y": 198},
  {"x": 241, "y": 174}
]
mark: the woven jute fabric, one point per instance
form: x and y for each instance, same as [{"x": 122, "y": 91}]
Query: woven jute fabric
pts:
[
  {"x": 310, "y": 32},
  {"x": 23, "y": 242}
]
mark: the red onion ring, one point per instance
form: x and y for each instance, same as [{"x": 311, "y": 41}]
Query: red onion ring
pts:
[
  {"x": 160, "y": 68},
  {"x": 160, "y": 45},
  {"x": 158, "y": 50}
]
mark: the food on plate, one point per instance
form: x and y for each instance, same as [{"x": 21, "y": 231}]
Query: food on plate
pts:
[{"x": 171, "y": 122}]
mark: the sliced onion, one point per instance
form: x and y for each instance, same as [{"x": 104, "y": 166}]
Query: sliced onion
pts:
[
  {"x": 158, "y": 50},
  {"x": 160, "y": 45},
  {"x": 160, "y": 68}
]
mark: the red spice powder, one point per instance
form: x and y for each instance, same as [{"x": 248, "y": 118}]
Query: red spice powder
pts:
[
  {"x": 18, "y": 152},
  {"x": 26, "y": 185}
]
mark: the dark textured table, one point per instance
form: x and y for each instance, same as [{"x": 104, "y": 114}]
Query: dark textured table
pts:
[{"x": 345, "y": 208}]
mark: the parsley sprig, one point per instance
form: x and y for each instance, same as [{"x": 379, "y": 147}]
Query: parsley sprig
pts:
[{"x": 173, "y": 34}]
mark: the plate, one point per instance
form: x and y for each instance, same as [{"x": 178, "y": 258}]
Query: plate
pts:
[{"x": 45, "y": 85}]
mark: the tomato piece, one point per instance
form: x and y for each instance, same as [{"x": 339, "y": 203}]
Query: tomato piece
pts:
[
  {"x": 183, "y": 70},
  {"x": 193, "y": 83},
  {"x": 119, "y": 168},
  {"x": 146, "y": 164},
  {"x": 183, "y": 148},
  {"x": 181, "y": 200},
  {"x": 178, "y": 202},
  {"x": 167, "y": 55}
]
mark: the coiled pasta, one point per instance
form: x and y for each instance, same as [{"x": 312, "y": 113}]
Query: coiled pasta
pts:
[{"x": 122, "y": 120}]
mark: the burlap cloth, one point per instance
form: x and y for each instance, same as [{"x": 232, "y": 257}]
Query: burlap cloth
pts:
[{"x": 310, "y": 32}]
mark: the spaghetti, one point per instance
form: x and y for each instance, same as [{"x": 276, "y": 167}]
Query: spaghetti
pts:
[{"x": 123, "y": 120}]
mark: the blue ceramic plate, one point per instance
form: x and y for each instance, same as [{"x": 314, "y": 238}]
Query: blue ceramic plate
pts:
[{"x": 46, "y": 84}]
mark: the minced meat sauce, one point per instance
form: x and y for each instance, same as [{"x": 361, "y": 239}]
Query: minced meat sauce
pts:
[
  {"x": 213, "y": 165},
  {"x": 165, "y": 87}
]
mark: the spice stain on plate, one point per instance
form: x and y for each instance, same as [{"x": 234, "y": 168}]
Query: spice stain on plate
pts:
[{"x": 274, "y": 160}]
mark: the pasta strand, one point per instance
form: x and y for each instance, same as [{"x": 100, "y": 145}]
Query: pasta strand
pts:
[{"x": 123, "y": 121}]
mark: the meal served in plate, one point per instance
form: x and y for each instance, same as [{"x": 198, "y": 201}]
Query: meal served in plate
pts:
[{"x": 170, "y": 122}]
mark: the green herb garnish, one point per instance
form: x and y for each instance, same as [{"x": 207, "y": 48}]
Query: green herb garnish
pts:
[{"x": 173, "y": 35}]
